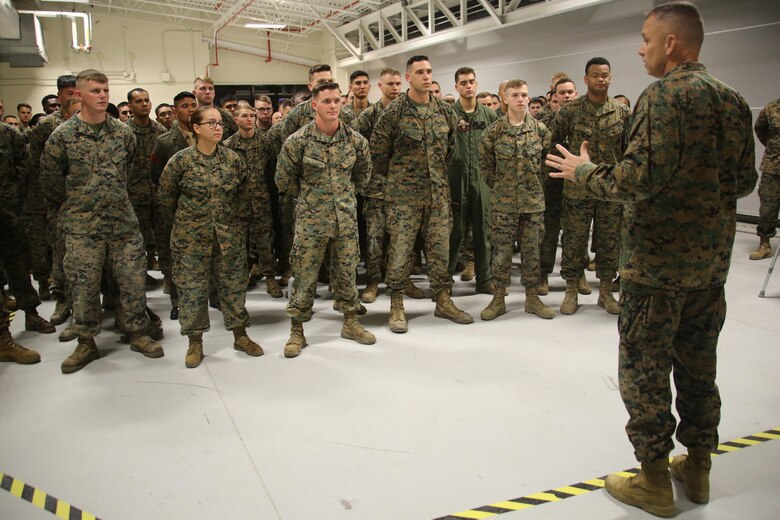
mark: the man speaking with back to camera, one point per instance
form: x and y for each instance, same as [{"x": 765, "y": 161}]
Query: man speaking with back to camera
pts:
[{"x": 690, "y": 156}]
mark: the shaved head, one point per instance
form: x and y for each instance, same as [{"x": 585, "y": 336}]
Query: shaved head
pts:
[{"x": 683, "y": 20}]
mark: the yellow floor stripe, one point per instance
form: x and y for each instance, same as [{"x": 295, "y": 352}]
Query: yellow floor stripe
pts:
[
  {"x": 63, "y": 510},
  {"x": 41, "y": 500},
  {"x": 582, "y": 488},
  {"x": 16, "y": 488}
]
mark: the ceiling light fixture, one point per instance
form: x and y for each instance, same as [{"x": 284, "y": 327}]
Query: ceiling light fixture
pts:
[{"x": 265, "y": 25}]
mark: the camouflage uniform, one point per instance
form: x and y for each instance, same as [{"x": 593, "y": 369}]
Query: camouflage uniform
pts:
[
  {"x": 209, "y": 197},
  {"x": 231, "y": 127},
  {"x": 690, "y": 156},
  {"x": 603, "y": 127},
  {"x": 14, "y": 252},
  {"x": 411, "y": 147},
  {"x": 768, "y": 132},
  {"x": 373, "y": 204},
  {"x": 324, "y": 173},
  {"x": 283, "y": 203},
  {"x": 142, "y": 194},
  {"x": 553, "y": 202},
  {"x": 511, "y": 163},
  {"x": 166, "y": 146},
  {"x": 254, "y": 153},
  {"x": 46, "y": 253},
  {"x": 470, "y": 197},
  {"x": 85, "y": 175}
]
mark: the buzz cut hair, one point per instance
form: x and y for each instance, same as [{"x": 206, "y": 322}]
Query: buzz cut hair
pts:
[
  {"x": 597, "y": 61},
  {"x": 22, "y": 105},
  {"x": 130, "y": 93},
  {"x": 161, "y": 105},
  {"x": 321, "y": 67},
  {"x": 263, "y": 99},
  {"x": 357, "y": 74},
  {"x": 327, "y": 85},
  {"x": 181, "y": 96},
  {"x": 484, "y": 94},
  {"x": 66, "y": 81},
  {"x": 561, "y": 82},
  {"x": 688, "y": 16},
  {"x": 515, "y": 83},
  {"x": 389, "y": 71},
  {"x": 204, "y": 79},
  {"x": 414, "y": 59},
  {"x": 463, "y": 71},
  {"x": 91, "y": 75}
]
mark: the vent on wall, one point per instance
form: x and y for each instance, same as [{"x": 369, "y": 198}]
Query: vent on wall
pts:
[{"x": 28, "y": 50}]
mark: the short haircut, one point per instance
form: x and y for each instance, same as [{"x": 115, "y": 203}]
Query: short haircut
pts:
[
  {"x": 66, "y": 81},
  {"x": 92, "y": 75},
  {"x": 263, "y": 98},
  {"x": 181, "y": 95},
  {"x": 436, "y": 83},
  {"x": 597, "y": 61},
  {"x": 321, "y": 67},
  {"x": 515, "y": 83},
  {"x": 48, "y": 97},
  {"x": 23, "y": 105},
  {"x": 328, "y": 85},
  {"x": 112, "y": 110},
  {"x": 285, "y": 103},
  {"x": 36, "y": 118},
  {"x": 357, "y": 74},
  {"x": 415, "y": 59},
  {"x": 561, "y": 82},
  {"x": 203, "y": 79},
  {"x": 136, "y": 89},
  {"x": 463, "y": 71},
  {"x": 158, "y": 107},
  {"x": 9, "y": 116},
  {"x": 537, "y": 100},
  {"x": 390, "y": 71},
  {"x": 226, "y": 98},
  {"x": 688, "y": 16},
  {"x": 123, "y": 104},
  {"x": 244, "y": 105},
  {"x": 484, "y": 94},
  {"x": 555, "y": 77}
]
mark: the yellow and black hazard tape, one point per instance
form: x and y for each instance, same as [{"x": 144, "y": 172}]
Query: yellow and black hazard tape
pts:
[
  {"x": 42, "y": 500},
  {"x": 557, "y": 494}
]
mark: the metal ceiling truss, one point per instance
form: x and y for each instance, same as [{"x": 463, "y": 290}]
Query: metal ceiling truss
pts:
[{"x": 414, "y": 24}]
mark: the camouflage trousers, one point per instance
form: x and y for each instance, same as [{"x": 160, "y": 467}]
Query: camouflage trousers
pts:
[
  {"x": 14, "y": 260},
  {"x": 769, "y": 196},
  {"x": 470, "y": 213},
  {"x": 434, "y": 221},
  {"x": 261, "y": 234},
  {"x": 60, "y": 289},
  {"x": 663, "y": 331},
  {"x": 286, "y": 230},
  {"x": 84, "y": 259},
  {"x": 376, "y": 237},
  {"x": 503, "y": 230},
  {"x": 144, "y": 214},
  {"x": 553, "y": 200},
  {"x": 193, "y": 275},
  {"x": 575, "y": 221},
  {"x": 40, "y": 251},
  {"x": 308, "y": 253}
]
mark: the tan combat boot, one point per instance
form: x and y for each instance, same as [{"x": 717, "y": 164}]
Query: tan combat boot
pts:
[
  {"x": 12, "y": 351},
  {"x": 445, "y": 308},
  {"x": 693, "y": 470},
  {"x": 34, "y": 322},
  {"x": 369, "y": 293},
  {"x": 85, "y": 353},
  {"x": 353, "y": 330},
  {"x": 243, "y": 343},
  {"x": 272, "y": 287},
  {"x": 533, "y": 305},
  {"x": 650, "y": 490},
  {"x": 544, "y": 286},
  {"x": 194, "y": 355},
  {"x": 60, "y": 314},
  {"x": 606, "y": 300},
  {"x": 414, "y": 292},
  {"x": 583, "y": 287},
  {"x": 569, "y": 305},
  {"x": 397, "y": 315},
  {"x": 496, "y": 307},
  {"x": 68, "y": 334},
  {"x": 297, "y": 340},
  {"x": 764, "y": 250},
  {"x": 142, "y": 343},
  {"x": 468, "y": 272}
]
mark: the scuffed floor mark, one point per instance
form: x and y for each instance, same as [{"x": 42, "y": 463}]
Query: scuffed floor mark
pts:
[{"x": 346, "y": 504}]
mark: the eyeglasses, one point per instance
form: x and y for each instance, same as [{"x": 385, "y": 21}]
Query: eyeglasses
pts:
[
  {"x": 264, "y": 109},
  {"x": 212, "y": 124},
  {"x": 124, "y": 113}
]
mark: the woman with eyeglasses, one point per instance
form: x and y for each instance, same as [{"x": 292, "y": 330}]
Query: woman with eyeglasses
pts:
[{"x": 207, "y": 190}]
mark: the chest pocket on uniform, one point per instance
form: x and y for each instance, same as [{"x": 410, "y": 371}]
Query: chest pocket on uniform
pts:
[
  {"x": 412, "y": 131},
  {"x": 582, "y": 133},
  {"x": 505, "y": 151}
]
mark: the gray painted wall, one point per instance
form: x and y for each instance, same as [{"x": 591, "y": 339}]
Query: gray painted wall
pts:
[{"x": 742, "y": 48}]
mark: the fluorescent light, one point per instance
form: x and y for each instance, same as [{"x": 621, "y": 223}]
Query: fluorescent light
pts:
[
  {"x": 68, "y": 1},
  {"x": 265, "y": 25}
]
